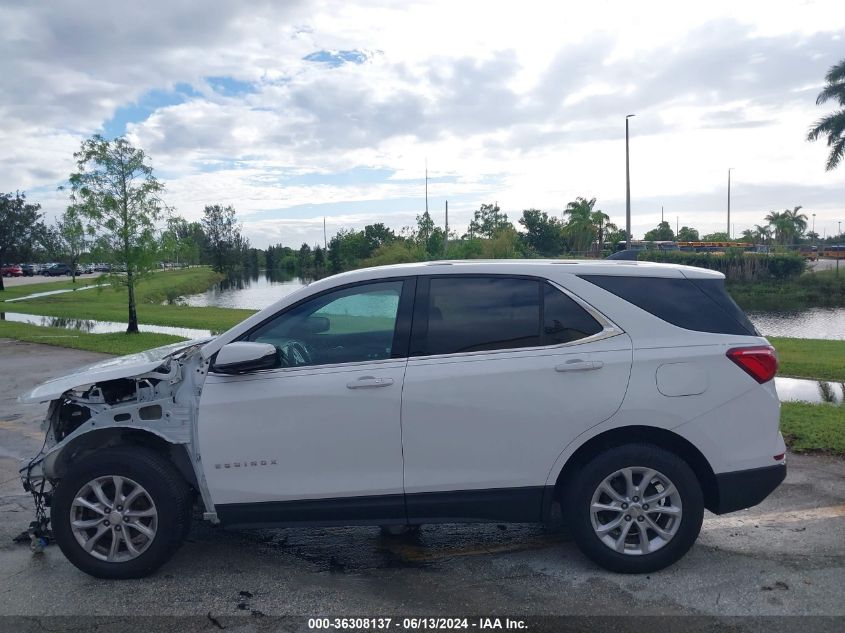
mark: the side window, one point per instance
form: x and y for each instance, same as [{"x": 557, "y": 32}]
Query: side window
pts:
[
  {"x": 350, "y": 325},
  {"x": 703, "y": 305},
  {"x": 467, "y": 314},
  {"x": 564, "y": 320}
]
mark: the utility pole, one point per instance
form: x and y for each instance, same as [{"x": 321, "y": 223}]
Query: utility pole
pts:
[
  {"x": 325, "y": 243},
  {"x": 627, "y": 187},
  {"x": 426, "y": 186},
  {"x": 729, "y": 202},
  {"x": 814, "y": 229},
  {"x": 838, "y": 234},
  {"x": 661, "y": 214},
  {"x": 677, "y": 219},
  {"x": 446, "y": 239}
]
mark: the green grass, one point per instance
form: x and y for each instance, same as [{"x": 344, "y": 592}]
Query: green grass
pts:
[
  {"x": 110, "y": 303},
  {"x": 813, "y": 428},
  {"x": 810, "y": 290},
  {"x": 810, "y": 358},
  {"x": 117, "y": 343}
]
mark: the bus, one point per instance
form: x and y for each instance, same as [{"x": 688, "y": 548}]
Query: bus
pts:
[
  {"x": 713, "y": 247},
  {"x": 834, "y": 251}
]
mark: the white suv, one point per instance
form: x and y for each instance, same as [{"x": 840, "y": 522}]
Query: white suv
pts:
[{"x": 636, "y": 395}]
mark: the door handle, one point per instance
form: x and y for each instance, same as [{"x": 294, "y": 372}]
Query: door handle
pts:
[
  {"x": 369, "y": 382},
  {"x": 579, "y": 364}
]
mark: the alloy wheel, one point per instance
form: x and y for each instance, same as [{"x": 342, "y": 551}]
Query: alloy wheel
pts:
[
  {"x": 113, "y": 518},
  {"x": 636, "y": 510}
]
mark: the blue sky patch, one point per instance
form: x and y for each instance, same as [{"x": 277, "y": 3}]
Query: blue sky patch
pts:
[
  {"x": 333, "y": 59},
  {"x": 229, "y": 87},
  {"x": 144, "y": 107}
]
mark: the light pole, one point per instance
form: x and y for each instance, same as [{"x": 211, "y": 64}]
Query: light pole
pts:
[
  {"x": 729, "y": 202},
  {"x": 838, "y": 233},
  {"x": 627, "y": 187},
  {"x": 814, "y": 229}
]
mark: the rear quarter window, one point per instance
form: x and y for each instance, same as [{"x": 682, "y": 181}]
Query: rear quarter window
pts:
[{"x": 703, "y": 305}]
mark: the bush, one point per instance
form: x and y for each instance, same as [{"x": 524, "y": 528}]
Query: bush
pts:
[{"x": 735, "y": 264}]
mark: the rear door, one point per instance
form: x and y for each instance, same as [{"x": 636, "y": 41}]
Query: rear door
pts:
[{"x": 504, "y": 372}]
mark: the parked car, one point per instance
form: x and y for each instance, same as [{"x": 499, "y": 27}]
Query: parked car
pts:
[
  {"x": 102, "y": 268},
  {"x": 56, "y": 270},
  {"x": 84, "y": 269},
  {"x": 28, "y": 270},
  {"x": 635, "y": 395},
  {"x": 631, "y": 254},
  {"x": 11, "y": 270}
]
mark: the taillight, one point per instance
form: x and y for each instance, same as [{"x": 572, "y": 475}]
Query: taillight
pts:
[{"x": 760, "y": 362}]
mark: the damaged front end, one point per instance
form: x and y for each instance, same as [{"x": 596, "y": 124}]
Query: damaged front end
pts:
[{"x": 156, "y": 407}]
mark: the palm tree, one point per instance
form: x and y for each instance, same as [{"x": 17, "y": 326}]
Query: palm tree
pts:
[
  {"x": 798, "y": 220},
  {"x": 780, "y": 225},
  {"x": 763, "y": 233},
  {"x": 599, "y": 219},
  {"x": 579, "y": 226},
  {"x": 832, "y": 125}
]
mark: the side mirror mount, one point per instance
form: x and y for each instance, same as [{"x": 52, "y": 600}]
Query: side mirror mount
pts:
[{"x": 242, "y": 357}]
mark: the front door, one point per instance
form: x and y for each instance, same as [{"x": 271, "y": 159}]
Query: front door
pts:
[{"x": 320, "y": 435}]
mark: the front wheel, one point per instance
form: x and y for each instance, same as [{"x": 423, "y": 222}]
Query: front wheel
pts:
[
  {"x": 635, "y": 508},
  {"x": 120, "y": 512}
]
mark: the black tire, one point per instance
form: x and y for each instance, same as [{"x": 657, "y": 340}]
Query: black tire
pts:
[
  {"x": 159, "y": 477},
  {"x": 578, "y": 495}
]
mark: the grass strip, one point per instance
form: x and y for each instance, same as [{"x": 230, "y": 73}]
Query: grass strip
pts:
[{"x": 813, "y": 428}]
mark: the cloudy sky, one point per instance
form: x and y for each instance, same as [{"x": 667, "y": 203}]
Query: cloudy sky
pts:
[{"x": 292, "y": 111}]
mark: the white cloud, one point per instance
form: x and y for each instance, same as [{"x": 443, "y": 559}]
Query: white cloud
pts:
[{"x": 522, "y": 103}]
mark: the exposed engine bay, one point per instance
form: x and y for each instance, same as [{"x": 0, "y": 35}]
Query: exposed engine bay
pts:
[{"x": 157, "y": 408}]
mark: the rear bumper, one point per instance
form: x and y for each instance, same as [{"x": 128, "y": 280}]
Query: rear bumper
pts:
[{"x": 745, "y": 488}]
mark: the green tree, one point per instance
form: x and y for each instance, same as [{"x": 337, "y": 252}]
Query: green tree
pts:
[
  {"x": 663, "y": 233},
  {"x": 20, "y": 226},
  {"x": 798, "y": 222},
  {"x": 71, "y": 237},
  {"x": 833, "y": 125},
  {"x": 614, "y": 236},
  {"x": 543, "y": 234},
  {"x": 319, "y": 259},
  {"x": 599, "y": 220},
  {"x": 579, "y": 228},
  {"x": 220, "y": 226},
  {"x": 377, "y": 235},
  {"x": 303, "y": 258},
  {"x": 687, "y": 234},
  {"x": 787, "y": 225},
  {"x": 487, "y": 221},
  {"x": 762, "y": 234},
  {"x": 718, "y": 236},
  {"x": 115, "y": 189}
]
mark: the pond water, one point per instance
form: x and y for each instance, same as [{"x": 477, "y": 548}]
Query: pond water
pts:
[
  {"x": 824, "y": 323},
  {"x": 815, "y": 391},
  {"x": 251, "y": 292},
  {"x": 100, "y": 327}
]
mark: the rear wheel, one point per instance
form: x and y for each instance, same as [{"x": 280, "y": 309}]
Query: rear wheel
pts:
[
  {"x": 635, "y": 508},
  {"x": 121, "y": 512}
]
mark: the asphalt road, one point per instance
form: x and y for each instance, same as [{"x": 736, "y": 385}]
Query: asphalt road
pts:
[{"x": 784, "y": 557}]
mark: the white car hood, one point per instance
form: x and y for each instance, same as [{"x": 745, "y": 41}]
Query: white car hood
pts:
[{"x": 110, "y": 369}]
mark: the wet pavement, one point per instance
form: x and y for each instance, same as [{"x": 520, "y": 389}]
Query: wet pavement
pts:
[{"x": 784, "y": 557}]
